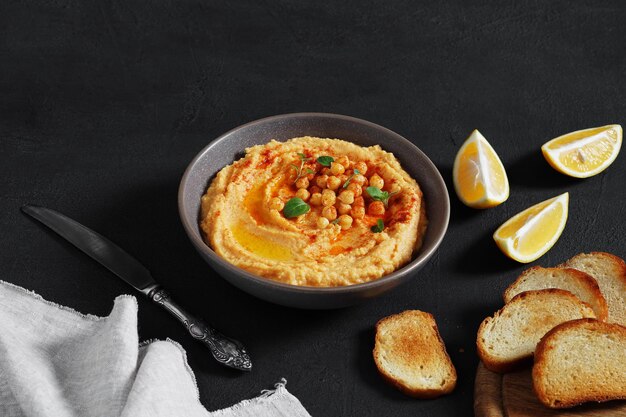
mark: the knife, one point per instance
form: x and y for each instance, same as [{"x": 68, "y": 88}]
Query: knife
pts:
[{"x": 225, "y": 350}]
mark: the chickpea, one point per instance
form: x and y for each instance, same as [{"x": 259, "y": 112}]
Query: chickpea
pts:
[
  {"x": 355, "y": 188},
  {"x": 328, "y": 197},
  {"x": 343, "y": 208},
  {"x": 325, "y": 171},
  {"x": 303, "y": 182},
  {"x": 333, "y": 182},
  {"x": 336, "y": 168},
  {"x": 322, "y": 222},
  {"x": 376, "y": 208},
  {"x": 315, "y": 189},
  {"x": 343, "y": 178},
  {"x": 346, "y": 196},
  {"x": 321, "y": 181},
  {"x": 329, "y": 212},
  {"x": 357, "y": 212},
  {"x": 377, "y": 181},
  {"x": 345, "y": 222},
  {"x": 395, "y": 188},
  {"x": 303, "y": 193},
  {"x": 359, "y": 179},
  {"x": 348, "y": 172},
  {"x": 343, "y": 160},
  {"x": 359, "y": 202},
  {"x": 361, "y": 166},
  {"x": 276, "y": 204},
  {"x": 316, "y": 199}
]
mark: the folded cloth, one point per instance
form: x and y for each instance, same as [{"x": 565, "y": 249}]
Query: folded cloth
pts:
[{"x": 57, "y": 362}]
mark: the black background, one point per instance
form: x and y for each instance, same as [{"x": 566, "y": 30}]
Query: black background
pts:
[{"x": 103, "y": 104}]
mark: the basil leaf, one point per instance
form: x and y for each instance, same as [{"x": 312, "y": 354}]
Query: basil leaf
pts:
[
  {"x": 310, "y": 171},
  {"x": 325, "y": 160},
  {"x": 295, "y": 207},
  {"x": 379, "y": 227}
]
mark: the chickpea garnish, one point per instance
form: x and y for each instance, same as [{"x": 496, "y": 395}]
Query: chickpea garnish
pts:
[
  {"x": 343, "y": 160},
  {"x": 345, "y": 222},
  {"x": 328, "y": 197},
  {"x": 361, "y": 166},
  {"x": 346, "y": 196},
  {"x": 359, "y": 179},
  {"x": 395, "y": 188},
  {"x": 303, "y": 193},
  {"x": 322, "y": 222},
  {"x": 316, "y": 199},
  {"x": 356, "y": 189},
  {"x": 377, "y": 181},
  {"x": 376, "y": 208},
  {"x": 357, "y": 212},
  {"x": 336, "y": 168},
  {"x": 359, "y": 202},
  {"x": 333, "y": 182},
  {"x": 276, "y": 204},
  {"x": 325, "y": 171},
  {"x": 302, "y": 182},
  {"x": 343, "y": 208},
  {"x": 315, "y": 189},
  {"x": 321, "y": 181},
  {"x": 329, "y": 212}
]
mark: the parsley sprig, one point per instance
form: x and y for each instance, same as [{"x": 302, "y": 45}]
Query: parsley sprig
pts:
[{"x": 299, "y": 169}]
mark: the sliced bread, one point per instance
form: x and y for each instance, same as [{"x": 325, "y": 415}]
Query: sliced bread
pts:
[
  {"x": 411, "y": 356},
  {"x": 610, "y": 273},
  {"x": 580, "y": 284},
  {"x": 579, "y": 361},
  {"x": 508, "y": 339}
]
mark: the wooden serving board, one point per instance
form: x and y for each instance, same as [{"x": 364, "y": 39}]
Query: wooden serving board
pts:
[{"x": 512, "y": 395}]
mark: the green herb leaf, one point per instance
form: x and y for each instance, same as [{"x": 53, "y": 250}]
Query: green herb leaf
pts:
[
  {"x": 356, "y": 172},
  {"x": 379, "y": 227},
  {"x": 335, "y": 221},
  {"x": 379, "y": 195},
  {"x": 295, "y": 207},
  {"x": 303, "y": 156},
  {"x": 325, "y": 160},
  {"x": 310, "y": 171}
]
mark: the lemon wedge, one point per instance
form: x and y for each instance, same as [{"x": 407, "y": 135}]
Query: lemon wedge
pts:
[
  {"x": 532, "y": 232},
  {"x": 584, "y": 153},
  {"x": 479, "y": 177}
]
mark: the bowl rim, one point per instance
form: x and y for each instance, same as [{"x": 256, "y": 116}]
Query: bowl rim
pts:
[{"x": 192, "y": 228}]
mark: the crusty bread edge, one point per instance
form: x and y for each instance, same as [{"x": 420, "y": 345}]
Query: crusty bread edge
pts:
[
  {"x": 590, "y": 280},
  {"x": 541, "y": 351},
  {"x": 424, "y": 394},
  {"x": 508, "y": 366}
]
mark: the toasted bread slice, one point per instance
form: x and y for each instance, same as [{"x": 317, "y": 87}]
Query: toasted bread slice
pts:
[
  {"x": 411, "y": 356},
  {"x": 579, "y": 361},
  {"x": 580, "y": 284},
  {"x": 610, "y": 273},
  {"x": 506, "y": 340}
]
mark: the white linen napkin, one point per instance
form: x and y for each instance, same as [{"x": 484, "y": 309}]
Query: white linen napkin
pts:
[{"x": 57, "y": 362}]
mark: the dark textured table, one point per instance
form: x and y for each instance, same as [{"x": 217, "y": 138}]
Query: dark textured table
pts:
[{"x": 103, "y": 104}]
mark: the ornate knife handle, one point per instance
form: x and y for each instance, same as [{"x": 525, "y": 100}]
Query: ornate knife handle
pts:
[{"x": 228, "y": 351}]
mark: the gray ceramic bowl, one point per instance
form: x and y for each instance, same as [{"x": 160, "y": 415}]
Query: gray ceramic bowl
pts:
[{"x": 230, "y": 146}]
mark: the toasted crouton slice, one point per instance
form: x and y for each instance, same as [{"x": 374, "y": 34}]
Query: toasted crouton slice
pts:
[
  {"x": 508, "y": 339},
  {"x": 610, "y": 273},
  {"x": 579, "y": 361},
  {"x": 411, "y": 356},
  {"x": 580, "y": 284}
]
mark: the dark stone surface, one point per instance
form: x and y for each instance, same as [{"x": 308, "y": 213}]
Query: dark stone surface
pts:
[{"x": 103, "y": 104}]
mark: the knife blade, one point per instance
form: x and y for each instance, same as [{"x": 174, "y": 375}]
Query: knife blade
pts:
[{"x": 225, "y": 350}]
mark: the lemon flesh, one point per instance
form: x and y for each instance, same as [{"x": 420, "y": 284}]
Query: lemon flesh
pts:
[
  {"x": 479, "y": 177},
  {"x": 531, "y": 233},
  {"x": 584, "y": 153}
]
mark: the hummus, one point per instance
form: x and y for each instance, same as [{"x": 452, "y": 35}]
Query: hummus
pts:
[{"x": 286, "y": 214}]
